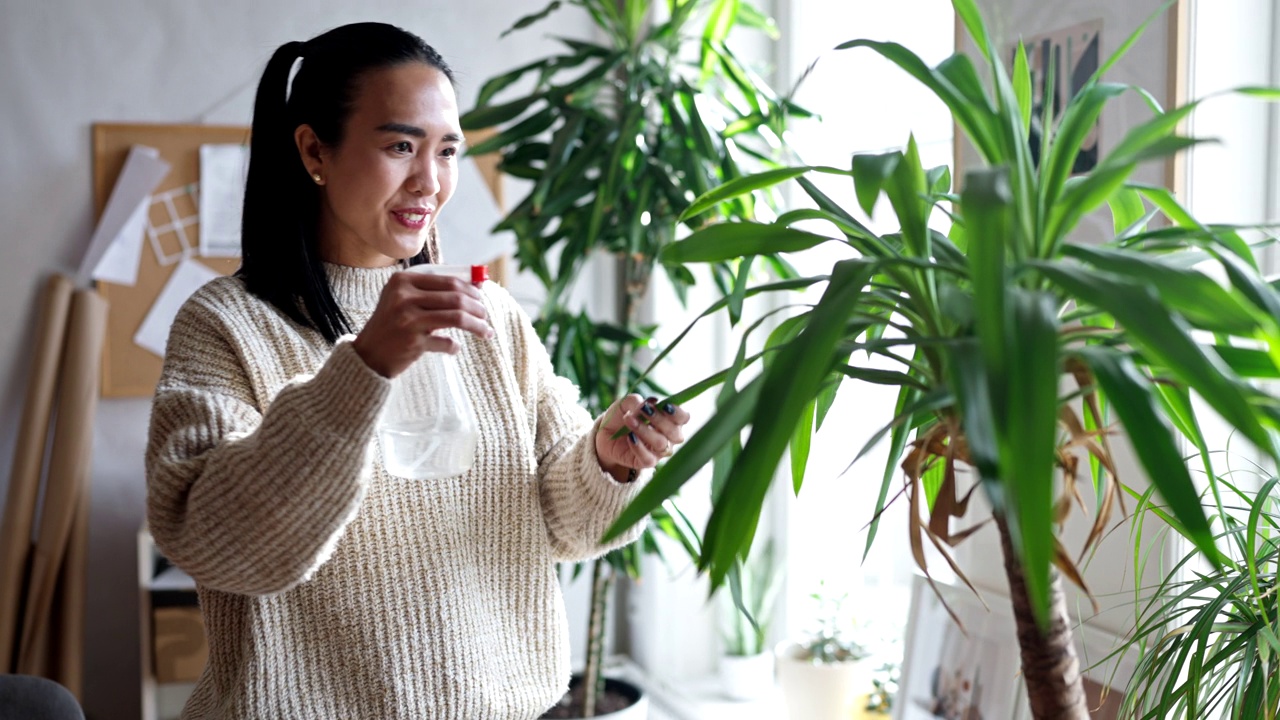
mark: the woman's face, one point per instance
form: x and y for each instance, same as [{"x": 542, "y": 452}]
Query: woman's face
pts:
[{"x": 384, "y": 185}]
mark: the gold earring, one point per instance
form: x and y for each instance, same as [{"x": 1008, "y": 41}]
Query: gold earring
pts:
[{"x": 317, "y": 178}]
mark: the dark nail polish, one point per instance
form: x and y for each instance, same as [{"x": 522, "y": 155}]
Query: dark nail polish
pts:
[
  {"x": 633, "y": 438},
  {"x": 651, "y": 401},
  {"x": 669, "y": 409},
  {"x": 647, "y": 409}
]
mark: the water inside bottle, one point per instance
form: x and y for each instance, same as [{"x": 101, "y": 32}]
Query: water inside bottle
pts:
[
  {"x": 422, "y": 451},
  {"x": 428, "y": 427}
]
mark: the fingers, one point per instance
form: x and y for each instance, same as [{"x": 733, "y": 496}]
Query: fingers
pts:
[
  {"x": 655, "y": 435},
  {"x": 666, "y": 418},
  {"x": 436, "y": 302}
]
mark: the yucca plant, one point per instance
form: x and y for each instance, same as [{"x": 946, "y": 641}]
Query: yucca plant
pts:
[
  {"x": 618, "y": 137},
  {"x": 1011, "y": 345},
  {"x": 1208, "y": 639}
]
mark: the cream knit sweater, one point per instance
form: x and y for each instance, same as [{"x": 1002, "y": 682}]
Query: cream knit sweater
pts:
[{"x": 333, "y": 590}]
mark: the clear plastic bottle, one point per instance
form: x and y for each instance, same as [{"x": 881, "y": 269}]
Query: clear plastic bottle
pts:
[{"x": 428, "y": 427}]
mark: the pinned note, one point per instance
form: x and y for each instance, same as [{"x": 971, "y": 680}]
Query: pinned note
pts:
[
  {"x": 222, "y": 176},
  {"x": 143, "y": 171},
  {"x": 187, "y": 278}
]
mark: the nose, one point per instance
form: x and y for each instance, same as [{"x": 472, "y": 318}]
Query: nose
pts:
[{"x": 425, "y": 179}]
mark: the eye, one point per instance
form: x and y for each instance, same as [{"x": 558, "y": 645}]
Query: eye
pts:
[
  {"x": 450, "y": 152},
  {"x": 403, "y": 146}
]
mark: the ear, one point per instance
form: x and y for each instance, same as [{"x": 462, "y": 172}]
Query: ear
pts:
[{"x": 312, "y": 151}]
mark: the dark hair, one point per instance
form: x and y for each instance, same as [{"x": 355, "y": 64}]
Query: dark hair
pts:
[{"x": 280, "y": 252}]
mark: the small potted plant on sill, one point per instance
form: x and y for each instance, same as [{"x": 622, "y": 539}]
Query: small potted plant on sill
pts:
[
  {"x": 826, "y": 675},
  {"x": 746, "y": 666}
]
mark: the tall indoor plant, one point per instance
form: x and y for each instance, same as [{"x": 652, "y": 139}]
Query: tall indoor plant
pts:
[
  {"x": 656, "y": 113},
  {"x": 1010, "y": 344}
]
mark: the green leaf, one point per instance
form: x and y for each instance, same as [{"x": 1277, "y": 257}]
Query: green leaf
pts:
[
  {"x": 976, "y": 121},
  {"x": 1127, "y": 211},
  {"x": 1164, "y": 338},
  {"x": 1078, "y": 120},
  {"x": 750, "y": 16},
  {"x": 1130, "y": 41},
  {"x": 1129, "y": 394},
  {"x": 907, "y": 397},
  {"x": 1028, "y": 440},
  {"x": 724, "y": 13},
  {"x": 870, "y": 173},
  {"x": 801, "y": 441},
  {"x": 968, "y": 13},
  {"x": 531, "y": 126},
  {"x": 730, "y": 240},
  {"x": 488, "y": 116},
  {"x": 528, "y": 20},
  {"x": 1246, "y": 363},
  {"x": 790, "y": 384},
  {"x": 740, "y": 186},
  {"x": 497, "y": 84},
  {"x": 740, "y": 289},
  {"x": 986, "y": 204},
  {"x": 1201, "y": 300},
  {"x": 1022, "y": 85}
]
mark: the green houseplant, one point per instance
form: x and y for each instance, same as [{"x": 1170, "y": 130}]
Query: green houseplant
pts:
[
  {"x": 618, "y": 137},
  {"x": 1206, "y": 638},
  {"x": 823, "y": 675},
  {"x": 1011, "y": 346}
]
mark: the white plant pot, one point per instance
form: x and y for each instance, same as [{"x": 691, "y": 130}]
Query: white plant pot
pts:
[
  {"x": 746, "y": 677},
  {"x": 815, "y": 691}
]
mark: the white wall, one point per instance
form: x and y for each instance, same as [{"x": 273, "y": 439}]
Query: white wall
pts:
[{"x": 65, "y": 64}]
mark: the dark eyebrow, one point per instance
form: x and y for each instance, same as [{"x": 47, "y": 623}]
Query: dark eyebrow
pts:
[
  {"x": 402, "y": 129},
  {"x": 415, "y": 131}
]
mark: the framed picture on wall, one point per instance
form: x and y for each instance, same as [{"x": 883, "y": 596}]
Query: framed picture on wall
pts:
[
  {"x": 1075, "y": 39},
  {"x": 974, "y": 672},
  {"x": 951, "y": 672}
]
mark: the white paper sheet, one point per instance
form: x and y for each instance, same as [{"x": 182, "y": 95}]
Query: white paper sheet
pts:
[
  {"x": 188, "y": 277},
  {"x": 222, "y": 174},
  {"x": 119, "y": 264},
  {"x": 468, "y": 217},
  {"x": 143, "y": 171}
]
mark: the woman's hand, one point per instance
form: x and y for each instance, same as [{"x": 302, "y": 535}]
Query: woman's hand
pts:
[
  {"x": 411, "y": 308},
  {"x": 653, "y": 431}
]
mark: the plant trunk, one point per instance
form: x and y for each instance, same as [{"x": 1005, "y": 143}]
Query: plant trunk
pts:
[
  {"x": 1049, "y": 665},
  {"x": 592, "y": 676}
]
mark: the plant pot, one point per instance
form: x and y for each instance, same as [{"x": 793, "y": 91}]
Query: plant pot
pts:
[
  {"x": 818, "y": 691},
  {"x": 746, "y": 677},
  {"x": 621, "y": 700}
]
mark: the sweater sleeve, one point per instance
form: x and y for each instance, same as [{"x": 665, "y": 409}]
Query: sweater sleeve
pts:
[
  {"x": 579, "y": 499},
  {"x": 246, "y": 501}
]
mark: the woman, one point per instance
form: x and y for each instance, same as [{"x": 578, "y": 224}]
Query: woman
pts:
[{"x": 331, "y": 589}]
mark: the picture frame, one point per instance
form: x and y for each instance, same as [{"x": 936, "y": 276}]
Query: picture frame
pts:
[
  {"x": 1158, "y": 62},
  {"x": 973, "y": 672},
  {"x": 950, "y": 672}
]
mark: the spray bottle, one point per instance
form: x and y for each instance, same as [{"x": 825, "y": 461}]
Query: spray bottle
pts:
[{"x": 428, "y": 427}]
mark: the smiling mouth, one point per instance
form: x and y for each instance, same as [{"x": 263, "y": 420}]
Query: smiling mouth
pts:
[{"x": 413, "y": 220}]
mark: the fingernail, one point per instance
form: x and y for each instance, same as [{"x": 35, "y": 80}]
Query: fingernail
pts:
[
  {"x": 651, "y": 400},
  {"x": 647, "y": 409},
  {"x": 633, "y": 438},
  {"x": 669, "y": 409}
]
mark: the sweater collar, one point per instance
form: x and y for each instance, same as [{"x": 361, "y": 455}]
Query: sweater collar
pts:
[{"x": 358, "y": 288}]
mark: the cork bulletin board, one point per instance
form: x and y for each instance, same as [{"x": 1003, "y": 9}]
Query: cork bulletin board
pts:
[{"x": 127, "y": 369}]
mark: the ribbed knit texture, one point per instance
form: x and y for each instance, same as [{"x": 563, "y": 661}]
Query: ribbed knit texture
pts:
[{"x": 331, "y": 589}]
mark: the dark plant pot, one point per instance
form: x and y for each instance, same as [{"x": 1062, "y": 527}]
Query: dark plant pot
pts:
[{"x": 621, "y": 701}]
